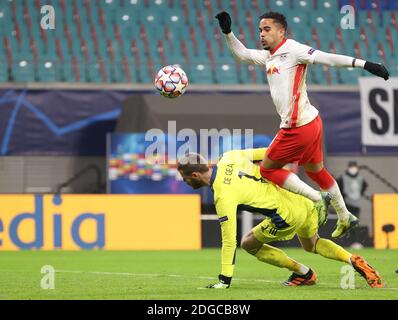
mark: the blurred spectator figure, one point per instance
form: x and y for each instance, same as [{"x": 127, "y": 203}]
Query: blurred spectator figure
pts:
[{"x": 352, "y": 186}]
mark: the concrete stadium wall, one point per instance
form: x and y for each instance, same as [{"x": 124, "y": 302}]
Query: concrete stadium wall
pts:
[{"x": 27, "y": 174}]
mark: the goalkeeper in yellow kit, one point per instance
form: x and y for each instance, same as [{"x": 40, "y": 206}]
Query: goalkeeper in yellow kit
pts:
[{"x": 237, "y": 185}]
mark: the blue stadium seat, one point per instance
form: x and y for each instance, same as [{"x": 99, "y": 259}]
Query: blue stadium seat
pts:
[
  {"x": 349, "y": 76},
  {"x": 94, "y": 73},
  {"x": 323, "y": 22},
  {"x": 252, "y": 74},
  {"x": 200, "y": 72},
  {"x": 334, "y": 74},
  {"x": 311, "y": 75},
  {"x": 3, "y": 68},
  {"x": 80, "y": 71},
  {"x": 120, "y": 75},
  {"x": 147, "y": 71},
  {"x": 66, "y": 72},
  {"x": 301, "y": 5},
  {"x": 23, "y": 71},
  {"x": 226, "y": 73},
  {"x": 327, "y": 6},
  {"x": 393, "y": 68},
  {"x": 48, "y": 71},
  {"x": 298, "y": 24},
  {"x": 279, "y": 5},
  {"x": 117, "y": 73},
  {"x": 158, "y": 5},
  {"x": 319, "y": 74},
  {"x": 122, "y": 22}
]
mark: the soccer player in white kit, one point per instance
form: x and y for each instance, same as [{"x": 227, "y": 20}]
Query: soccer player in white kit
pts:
[{"x": 300, "y": 136}]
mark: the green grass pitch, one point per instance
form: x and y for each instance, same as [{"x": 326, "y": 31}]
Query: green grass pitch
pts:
[{"x": 177, "y": 275}]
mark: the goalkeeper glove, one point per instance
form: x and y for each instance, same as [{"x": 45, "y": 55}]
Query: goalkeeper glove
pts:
[
  {"x": 377, "y": 69},
  {"x": 224, "y": 20},
  {"x": 224, "y": 283}
]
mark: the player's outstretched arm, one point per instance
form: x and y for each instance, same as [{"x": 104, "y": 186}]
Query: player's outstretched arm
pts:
[
  {"x": 377, "y": 69},
  {"x": 226, "y": 211},
  {"x": 235, "y": 46},
  {"x": 224, "y": 20},
  {"x": 338, "y": 60}
]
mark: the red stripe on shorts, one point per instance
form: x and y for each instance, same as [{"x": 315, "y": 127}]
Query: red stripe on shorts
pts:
[{"x": 296, "y": 95}]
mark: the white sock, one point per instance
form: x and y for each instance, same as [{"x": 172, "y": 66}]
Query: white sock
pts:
[
  {"x": 303, "y": 270},
  {"x": 294, "y": 184},
  {"x": 349, "y": 260},
  {"x": 338, "y": 202}
]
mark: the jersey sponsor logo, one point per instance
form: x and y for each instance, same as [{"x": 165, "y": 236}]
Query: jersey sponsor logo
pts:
[
  {"x": 311, "y": 51},
  {"x": 283, "y": 57},
  {"x": 273, "y": 69}
]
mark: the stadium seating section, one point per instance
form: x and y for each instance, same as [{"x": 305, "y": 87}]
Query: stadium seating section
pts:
[{"x": 119, "y": 41}]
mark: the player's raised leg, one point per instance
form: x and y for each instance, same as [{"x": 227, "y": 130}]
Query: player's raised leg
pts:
[
  {"x": 313, "y": 164},
  {"x": 291, "y": 145},
  {"x": 273, "y": 171},
  {"x": 302, "y": 275},
  {"x": 346, "y": 221}
]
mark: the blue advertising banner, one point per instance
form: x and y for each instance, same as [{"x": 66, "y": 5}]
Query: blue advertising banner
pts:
[
  {"x": 57, "y": 122},
  {"x": 134, "y": 169},
  {"x": 76, "y": 122}
]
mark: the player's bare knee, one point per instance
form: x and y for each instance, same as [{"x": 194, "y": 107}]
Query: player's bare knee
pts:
[
  {"x": 309, "y": 244},
  {"x": 310, "y": 248},
  {"x": 245, "y": 243},
  {"x": 250, "y": 244}
]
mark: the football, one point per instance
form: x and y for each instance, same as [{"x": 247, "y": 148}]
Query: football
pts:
[{"x": 171, "y": 81}]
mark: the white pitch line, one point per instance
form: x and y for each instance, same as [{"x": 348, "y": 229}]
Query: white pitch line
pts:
[{"x": 198, "y": 277}]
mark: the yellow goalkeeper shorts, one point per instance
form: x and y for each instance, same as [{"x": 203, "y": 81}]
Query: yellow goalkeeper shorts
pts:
[{"x": 305, "y": 225}]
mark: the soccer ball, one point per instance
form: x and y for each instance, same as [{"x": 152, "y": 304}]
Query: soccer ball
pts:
[{"x": 171, "y": 81}]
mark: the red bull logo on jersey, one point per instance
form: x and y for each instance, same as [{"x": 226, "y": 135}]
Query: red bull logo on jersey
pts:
[{"x": 273, "y": 69}]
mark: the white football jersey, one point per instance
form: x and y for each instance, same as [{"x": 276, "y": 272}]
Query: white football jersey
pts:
[{"x": 286, "y": 68}]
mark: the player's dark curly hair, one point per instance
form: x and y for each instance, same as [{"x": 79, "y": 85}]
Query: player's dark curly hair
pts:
[{"x": 277, "y": 17}]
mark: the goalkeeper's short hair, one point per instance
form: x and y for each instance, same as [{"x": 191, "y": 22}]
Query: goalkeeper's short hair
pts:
[{"x": 192, "y": 162}]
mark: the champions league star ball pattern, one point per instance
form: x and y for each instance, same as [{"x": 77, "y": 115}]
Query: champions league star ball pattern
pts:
[{"x": 171, "y": 81}]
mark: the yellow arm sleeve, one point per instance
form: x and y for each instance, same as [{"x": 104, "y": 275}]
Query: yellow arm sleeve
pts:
[
  {"x": 255, "y": 154},
  {"x": 251, "y": 154},
  {"x": 226, "y": 212}
]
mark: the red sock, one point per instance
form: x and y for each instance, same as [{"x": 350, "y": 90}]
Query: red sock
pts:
[
  {"x": 277, "y": 176},
  {"x": 323, "y": 178}
]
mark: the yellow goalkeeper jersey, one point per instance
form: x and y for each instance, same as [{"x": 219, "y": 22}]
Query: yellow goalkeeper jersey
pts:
[{"x": 237, "y": 185}]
